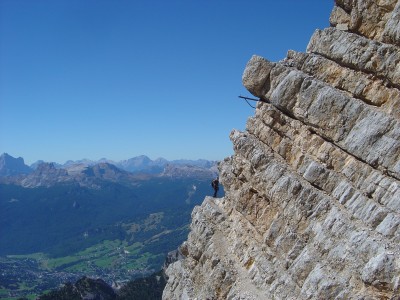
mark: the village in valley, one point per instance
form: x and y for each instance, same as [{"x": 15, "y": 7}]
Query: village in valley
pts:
[{"x": 31, "y": 275}]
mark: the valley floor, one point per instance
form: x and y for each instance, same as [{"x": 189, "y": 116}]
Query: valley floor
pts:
[{"x": 116, "y": 262}]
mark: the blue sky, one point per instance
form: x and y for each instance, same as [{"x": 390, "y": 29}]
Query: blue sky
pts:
[{"x": 117, "y": 79}]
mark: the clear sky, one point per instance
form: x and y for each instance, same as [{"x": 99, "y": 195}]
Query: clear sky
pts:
[{"x": 117, "y": 79}]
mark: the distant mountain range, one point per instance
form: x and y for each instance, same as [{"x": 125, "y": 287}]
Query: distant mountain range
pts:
[
  {"x": 100, "y": 218},
  {"x": 89, "y": 173}
]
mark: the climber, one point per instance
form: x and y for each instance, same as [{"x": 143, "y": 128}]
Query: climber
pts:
[{"x": 215, "y": 186}]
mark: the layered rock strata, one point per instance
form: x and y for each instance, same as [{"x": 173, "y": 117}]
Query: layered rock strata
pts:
[{"x": 312, "y": 205}]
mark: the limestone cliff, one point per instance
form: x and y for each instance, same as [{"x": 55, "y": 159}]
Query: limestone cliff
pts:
[{"x": 312, "y": 205}]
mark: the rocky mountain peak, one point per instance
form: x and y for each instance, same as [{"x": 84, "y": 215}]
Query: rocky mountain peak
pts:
[
  {"x": 45, "y": 174},
  {"x": 312, "y": 192},
  {"x": 45, "y": 167},
  {"x": 10, "y": 166},
  {"x": 189, "y": 171},
  {"x": 106, "y": 171}
]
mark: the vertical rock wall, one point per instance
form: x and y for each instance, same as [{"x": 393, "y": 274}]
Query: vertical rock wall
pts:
[{"x": 312, "y": 205}]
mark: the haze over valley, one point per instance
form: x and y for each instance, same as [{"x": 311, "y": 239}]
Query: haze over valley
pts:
[{"x": 115, "y": 221}]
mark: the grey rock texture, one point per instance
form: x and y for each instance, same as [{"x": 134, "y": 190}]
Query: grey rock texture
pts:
[{"x": 312, "y": 203}]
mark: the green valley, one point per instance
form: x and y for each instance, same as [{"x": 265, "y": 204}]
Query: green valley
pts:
[{"x": 117, "y": 232}]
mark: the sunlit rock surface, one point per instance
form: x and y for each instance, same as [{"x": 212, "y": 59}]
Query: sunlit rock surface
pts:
[{"x": 312, "y": 205}]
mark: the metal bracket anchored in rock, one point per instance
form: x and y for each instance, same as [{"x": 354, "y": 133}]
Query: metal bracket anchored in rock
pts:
[{"x": 252, "y": 99}]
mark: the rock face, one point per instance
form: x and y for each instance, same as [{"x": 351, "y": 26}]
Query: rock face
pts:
[
  {"x": 10, "y": 166},
  {"x": 312, "y": 203}
]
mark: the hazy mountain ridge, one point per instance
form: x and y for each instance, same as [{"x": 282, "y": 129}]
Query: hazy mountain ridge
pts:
[
  {"x": 10, "y": 166},
  {"x": 89, "y": 173}
]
